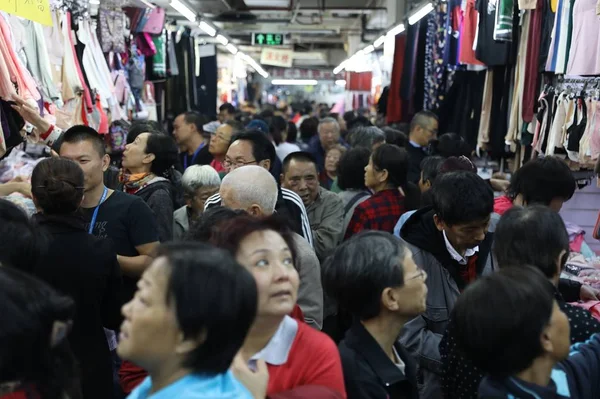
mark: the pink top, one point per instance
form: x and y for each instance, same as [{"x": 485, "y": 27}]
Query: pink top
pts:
[{"x": 584, "y": 55}]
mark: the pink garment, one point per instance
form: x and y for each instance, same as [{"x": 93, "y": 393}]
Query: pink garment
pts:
[
  {"x": 595, "y": 135},
  {"x": 575, "y": 244},
  {"x": 592, "y": 306},
  {"x": 18, "y": 74},
  {"x": 584, "y": 56},
  {"x": 86, "y": 91}
]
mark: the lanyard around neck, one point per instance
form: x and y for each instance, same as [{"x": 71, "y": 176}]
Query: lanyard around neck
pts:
[
  {"x": 194, "y": 156},
  {"x": 95, "y": 215}
]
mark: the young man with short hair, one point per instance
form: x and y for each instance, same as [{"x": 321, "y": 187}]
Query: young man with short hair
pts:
[
  {"x": 451, "y": 242},
  {"x": 190, "y": 136}
]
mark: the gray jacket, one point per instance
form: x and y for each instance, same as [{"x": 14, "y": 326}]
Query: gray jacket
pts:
[
  {"x": 310, "y": 293},
  {"x": 181, "y": 223},
  {"x": 326, "y": 216},
  {"x": 422, "y": 335}
]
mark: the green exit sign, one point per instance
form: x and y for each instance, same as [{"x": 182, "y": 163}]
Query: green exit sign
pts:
[{"x": 267, "y": 39}]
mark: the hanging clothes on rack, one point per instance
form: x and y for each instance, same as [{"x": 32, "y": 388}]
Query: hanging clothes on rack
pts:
[{"x": 584, "y": 55}]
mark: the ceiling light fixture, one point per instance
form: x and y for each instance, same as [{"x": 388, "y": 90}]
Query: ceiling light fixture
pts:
[
  {"x": 340, "y": 82},
  {"x": 232, "y": 49},
  {"x": 340, "y": 67},
  {"x": 183, "y": 10},
  {"x": 294, "y": 82},
  {"x": 222, "y": 39},
  {"x": 369, "y": 49},
  {"x": 396, "y": 30},
  {"x": 208, "y": 29},
  {"x": 379, "y": 41},
  {"x": 147, "y": 4},
  {"x": 420, "y": 13}
]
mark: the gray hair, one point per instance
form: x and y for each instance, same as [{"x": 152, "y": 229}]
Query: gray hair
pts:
[
  {"x": 366, "y": 137},
  {"x": 328, "y": 120},
  {"x": 253, "y": 184},
  {"x": 197, "y": 176}
]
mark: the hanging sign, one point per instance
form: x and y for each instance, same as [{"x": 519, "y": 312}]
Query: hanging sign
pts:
[
  {"x": 267, "y": 39},
  {"x": 277, "y": 57},
  {"x": 34, "y": 10}
]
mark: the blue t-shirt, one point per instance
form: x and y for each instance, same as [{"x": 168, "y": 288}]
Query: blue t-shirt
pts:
[{"x": 196, "y": 386}]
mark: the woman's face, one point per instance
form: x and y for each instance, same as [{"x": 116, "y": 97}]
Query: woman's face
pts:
[
  {"x": 332, "y": 160},
  {"x": 150, "y": 333},
  {"x": 371, "y": 175},
  {"x": 135, "y": 155},
  {"x": 267, "y": 256}
]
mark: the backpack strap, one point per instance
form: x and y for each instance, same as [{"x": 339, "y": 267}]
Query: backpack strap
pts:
[{"x": 354, "y": 200}]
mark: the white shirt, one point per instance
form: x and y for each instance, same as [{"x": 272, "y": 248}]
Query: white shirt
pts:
[{"x": 455, "y": 255}]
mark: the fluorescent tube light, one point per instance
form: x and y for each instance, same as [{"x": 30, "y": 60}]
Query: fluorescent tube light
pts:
[
  {"x": 183, "y": 10},
  {"x": 380, "y": 40},
  {"x": 340, "y": 82},
  {"x": 340, "y": 67},
  {"x": 396, "y": 30},
  {"x": 232, "y": 49},
  {"x": 222, "y": 39},
  {"x": 295, "y": 82},
  {"x": 369, "y": 49},
  {"x": 208, "y": 29},
  {"x": 420, "y": 13}
]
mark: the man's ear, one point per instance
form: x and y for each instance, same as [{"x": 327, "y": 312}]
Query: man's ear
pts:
[
  {"x": 265, "y": 163},
  {"x": 105, "y": 162},
  {"x": 255, "y": 210},
  {"x": 439, "y": 223}
]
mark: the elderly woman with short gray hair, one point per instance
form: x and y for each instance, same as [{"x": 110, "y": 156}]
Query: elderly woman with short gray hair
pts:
[{"x": 199, "y": 183}]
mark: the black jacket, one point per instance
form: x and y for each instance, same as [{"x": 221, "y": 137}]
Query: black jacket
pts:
[
  {"x": 85, "y": 268},
  {"x": 575, "y": 378},
  {"x": 415, "y": 156},
  {"x": 368, "y": 371}
]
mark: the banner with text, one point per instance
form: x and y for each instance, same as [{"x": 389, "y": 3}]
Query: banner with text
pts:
[
  {"x": 277, "y": 57},
  {"x": 34, "y": 10}
]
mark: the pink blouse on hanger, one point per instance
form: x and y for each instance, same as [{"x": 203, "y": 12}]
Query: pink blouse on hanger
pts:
[
  {"x": 17, "y": 73},
  {"x": 584, "y": 55}
]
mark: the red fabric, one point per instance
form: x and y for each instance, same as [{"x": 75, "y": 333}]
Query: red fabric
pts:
[
  {"x": 308, "y": 392},
  {"x": 380, "y": 212},
  {"x": 502, "y": 204},
  {"x": 130, "y": 376},
  {"x": 313, "y": 360},
  {"x": 468, "y": 272},
  {"x": 592, "y": 306},
  {"x": 394, "y": 102},
  {"x": 467, "y": 36},
  {"x": 532, "y": 61},
  {"x": 28, "y": 392},
  {"x": 575, "y": 245},
  {"x": 103, "y": 127},
  {"x": 359, "y": 81},
  {"x": 297, "y": 313},
  {"x": 216, "y": 165}
]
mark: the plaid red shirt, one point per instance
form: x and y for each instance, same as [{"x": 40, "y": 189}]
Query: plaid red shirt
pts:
[{"x": 380, "y": 212}]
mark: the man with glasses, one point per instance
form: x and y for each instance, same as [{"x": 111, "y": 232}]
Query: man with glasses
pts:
[
  {"x": 252, "y": 147},
  {"x": 220, "y": 141},
  {"x": 423, "y": 129}
]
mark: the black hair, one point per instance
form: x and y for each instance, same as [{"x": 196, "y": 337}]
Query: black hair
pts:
[
  {"x": 22, "y": 245},
  {"x": 197, "y": 119},
  {"x": 309, "y": 128},
  {"x": 140, "y": 127},
  {"x": 395, "y": 160},
  {"x": 214, "y": 297},
  {"x": 365, "y": 136},
  {"x": 498, "y": 320},
  {"x": 394, "y": 136},
  {"x": 165, "y": 152},
  {"x": 210, "y": 220},
  {"x": 298, "y": 156},
  {"x": 30, "y": 308},
  {"x": 230, "y": 109},
  {"x": 349, "y": 115},
  {"x": 462, "y": 197},
  {"x": 534, "y": 235},
  {"x": 541, "y": 180},
  {"x": 422, "y": 118},
  {"x": 57, "y": 186},
  {"x": 236, "y": 126},
  {"x": 79, "y": 133},
  {"x": 454, "y": 164},
  {"x": 292, "y": 133},
  {"x": 351, "y": 169},
  {"x": 277, "y": 128},
  {"x": 262, "y": 148},
  {"x": 361, "y": 268},
  {"x": 359, "y": 121},
  {"x": 430, "y": 167},
  {"x": 450, "y": 145}
]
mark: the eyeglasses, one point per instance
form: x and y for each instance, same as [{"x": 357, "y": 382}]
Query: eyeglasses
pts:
[
  {"x": 228, "y": 163},
  {"x": 421, "y": 274}
]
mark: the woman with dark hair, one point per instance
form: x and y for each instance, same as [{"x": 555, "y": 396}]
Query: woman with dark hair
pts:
[
  {"x": 147, "y": 170},
  {"x": 21, "y": 245},
  {"x": 35, "y": 360},
  {"x": 81, "y": 266},
  {"x": 296, "y": 354},
  {"x": 187, "y": 321},
  {"x": 385, "y": 175},
  {"x": 287, "y": 144},
  {"x": 450, "y": 145},
  {"x": 351, "y": 180}
]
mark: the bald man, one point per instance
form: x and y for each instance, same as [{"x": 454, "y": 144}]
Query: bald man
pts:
[{"x": 253, "y": 189}]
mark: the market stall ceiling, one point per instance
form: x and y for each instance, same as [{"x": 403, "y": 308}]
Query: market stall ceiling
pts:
[{"x": 308, "y": 25}]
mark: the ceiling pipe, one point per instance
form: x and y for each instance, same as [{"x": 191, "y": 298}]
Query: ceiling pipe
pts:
[{"x": 364, "y": 31}]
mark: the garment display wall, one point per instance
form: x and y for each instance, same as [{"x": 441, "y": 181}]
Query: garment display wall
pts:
[{"x": 490, "y": 69}]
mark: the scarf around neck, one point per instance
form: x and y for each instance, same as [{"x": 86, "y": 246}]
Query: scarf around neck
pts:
[{"x": 133, "y": 182}]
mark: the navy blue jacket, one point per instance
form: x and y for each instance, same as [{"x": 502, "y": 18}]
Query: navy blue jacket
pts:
[{"x": 577, "y": 377}]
